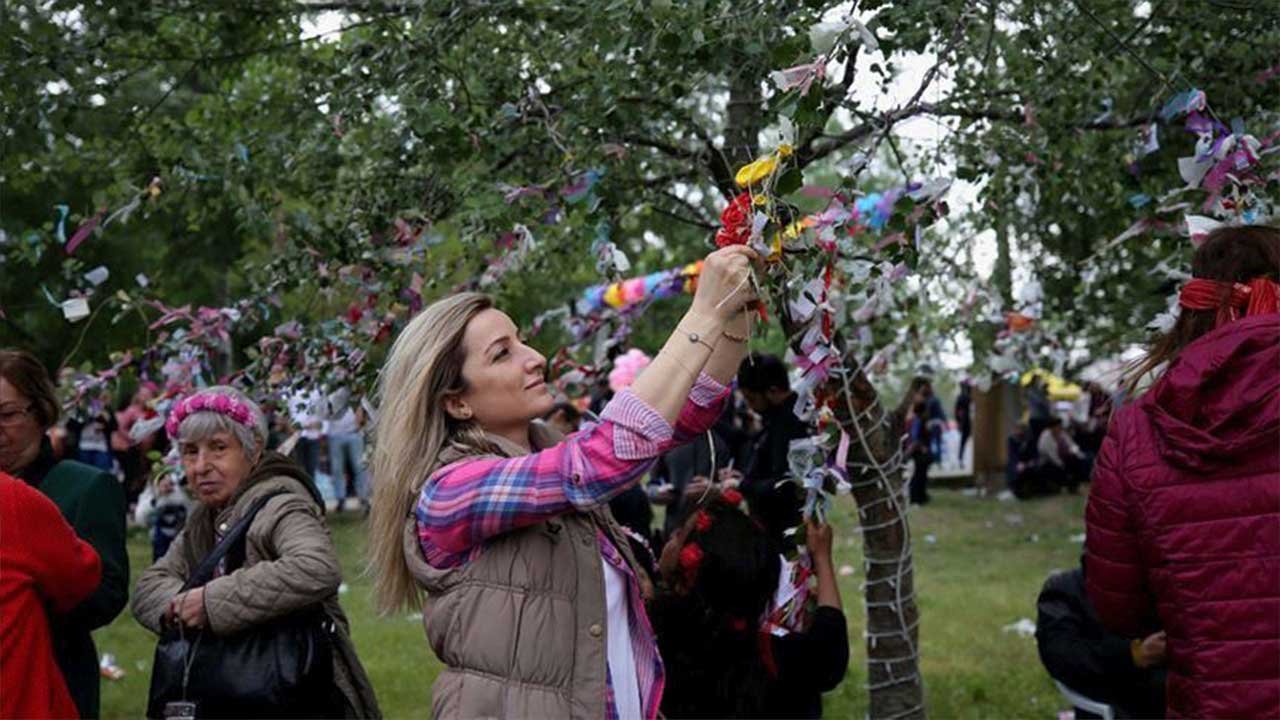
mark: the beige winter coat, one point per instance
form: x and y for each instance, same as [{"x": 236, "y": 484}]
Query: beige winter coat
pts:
[
  {"x": 522, "y": 627},
  {"x": 290, "y": 563}
]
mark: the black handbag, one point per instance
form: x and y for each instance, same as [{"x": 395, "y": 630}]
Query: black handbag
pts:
[{"x": 280, "y": 669}]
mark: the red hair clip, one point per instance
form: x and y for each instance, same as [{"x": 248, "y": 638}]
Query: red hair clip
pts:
[
  {"x": 732, "y": 496},
  {"x": 702, "y": 521},
  {"x": 690, "y": 561}
]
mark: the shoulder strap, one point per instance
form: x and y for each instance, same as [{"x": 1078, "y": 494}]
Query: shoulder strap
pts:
[{"x": 233, "y": 541}]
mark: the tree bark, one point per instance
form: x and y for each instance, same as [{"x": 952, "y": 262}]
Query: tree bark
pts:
[
  {"x": 876, "y": 473},
  {"x": 1001, "y": 274},
  {"x": 746, "y": 117}
]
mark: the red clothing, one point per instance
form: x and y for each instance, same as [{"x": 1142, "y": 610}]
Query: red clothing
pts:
[
  {"x": 42, "y": 564},
  {"x": 1184, "y": 522}
]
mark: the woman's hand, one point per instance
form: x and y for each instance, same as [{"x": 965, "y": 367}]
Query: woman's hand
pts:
[
  {"x": 724, "y": 287},
  {"x": 188, "y": 609}
]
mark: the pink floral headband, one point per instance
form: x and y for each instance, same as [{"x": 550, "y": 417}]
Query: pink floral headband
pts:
[{"x": 208, "y": 402}]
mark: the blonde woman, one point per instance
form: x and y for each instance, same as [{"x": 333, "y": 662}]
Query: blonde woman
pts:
[{"x": 533, "y": 601}]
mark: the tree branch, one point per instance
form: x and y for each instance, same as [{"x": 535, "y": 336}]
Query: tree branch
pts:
[
  {"x": 665, "y": 148},
  {"x": 909, "y": 108},
  {"x": 698, "y": 218},
  {"x": 681, "y": 218}
]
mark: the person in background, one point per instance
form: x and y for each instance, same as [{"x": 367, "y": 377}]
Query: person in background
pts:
[
  {"x": 918, "y": 449},
  {"x": 1038, "y": 407},
  {"x": 1184, "y": 509},
  {"x": 346, "y": 447},
  {"x": 278, "y": 429},
  {"x": 305, "y": 408},
  {"x": 44, "y": 568},
  {"x": 92, "y": 429},
  {"x": 937, "y": 426},
  {"x": 773, "y": 500},
  {"x": 132, "y": 453},
  {"x": 1022, "y": 473},
  {"x": 1062, "y": 463},
  {"x": 720, "y": 572},
  {"x": 564, "y": 417},
  {"x": 1095, "y": 407},
  {"x": 964, "y": 417},
  {"x": 1080, "y": 653},
  {"x": 163, "y": 508},
  {"x": 90, "y": 500},
  {"x": 918, "y": 439},
  {"x": 289, "y": 562}
]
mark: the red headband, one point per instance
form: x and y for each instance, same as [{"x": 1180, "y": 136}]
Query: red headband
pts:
[{"x": 1260, "y": 296}]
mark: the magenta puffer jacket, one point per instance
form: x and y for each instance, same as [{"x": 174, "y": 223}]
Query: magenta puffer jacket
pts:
[{"x": 1184, "y": 522}]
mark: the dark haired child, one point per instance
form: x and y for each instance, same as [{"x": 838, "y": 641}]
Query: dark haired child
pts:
[{"x": 720, "y": 573}]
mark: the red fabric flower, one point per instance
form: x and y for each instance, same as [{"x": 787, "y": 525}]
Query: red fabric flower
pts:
[
  {"x": 735, "y": 222},
  {"x": 354, "y": 314},
  {"x": 732, "y": 496},
  {"x": 702, "y": 521},
  {"x": 690, "y": 561}
]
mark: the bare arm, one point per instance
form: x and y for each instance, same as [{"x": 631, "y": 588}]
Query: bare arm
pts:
[
  {"x": 723, "y": 292},
  {"x": 731, "y": 349},
  {"x": 818, "y": 540}
]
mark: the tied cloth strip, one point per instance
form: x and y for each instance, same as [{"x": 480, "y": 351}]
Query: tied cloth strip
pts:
[{"x": 1257, "y": 297}]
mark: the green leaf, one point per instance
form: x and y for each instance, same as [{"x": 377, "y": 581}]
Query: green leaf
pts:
[{"x": 791, "y": 181}]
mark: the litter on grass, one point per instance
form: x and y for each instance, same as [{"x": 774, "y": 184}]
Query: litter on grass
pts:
[
  {"x": 1024, "y": 628},
  {"x": 108, "y": 668}
]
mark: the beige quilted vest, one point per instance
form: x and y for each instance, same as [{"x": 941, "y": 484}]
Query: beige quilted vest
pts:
[{"x": 521, "y": 628}]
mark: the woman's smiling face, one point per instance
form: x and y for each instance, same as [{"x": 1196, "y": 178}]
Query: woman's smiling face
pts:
[{"x": 505, "y": 379}]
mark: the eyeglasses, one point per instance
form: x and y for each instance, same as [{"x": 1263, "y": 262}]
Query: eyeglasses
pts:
[{"x": 10, "y": 418}]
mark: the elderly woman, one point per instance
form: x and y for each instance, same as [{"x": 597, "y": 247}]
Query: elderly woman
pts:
[
  {"x": 92, "y": 501},
  {"x": 289, "y": 559},
  {"x": 534, "y": 601}
]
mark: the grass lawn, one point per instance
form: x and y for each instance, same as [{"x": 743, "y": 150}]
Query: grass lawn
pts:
[{"x": 979, "y": 567}]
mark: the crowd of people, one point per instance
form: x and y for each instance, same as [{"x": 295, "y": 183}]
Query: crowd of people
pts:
[
  {"x": 1054, "y": 445},
  {"x": 523, "y": 529}
]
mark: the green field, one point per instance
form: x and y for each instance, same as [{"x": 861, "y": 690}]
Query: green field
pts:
[{"x": 981, "y": 571}]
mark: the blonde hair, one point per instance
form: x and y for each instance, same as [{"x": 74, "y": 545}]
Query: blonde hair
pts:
[{"x": 424, "y": 365}]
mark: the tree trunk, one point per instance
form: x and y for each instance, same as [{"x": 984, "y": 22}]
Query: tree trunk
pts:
[
  {"x": 875, "y": 470},
  {"x": 746, "y": 117},
  {"x": 1001, "y": 274}
]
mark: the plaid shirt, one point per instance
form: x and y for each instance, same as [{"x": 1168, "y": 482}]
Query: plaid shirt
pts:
[{"x": 464, "y": 504}]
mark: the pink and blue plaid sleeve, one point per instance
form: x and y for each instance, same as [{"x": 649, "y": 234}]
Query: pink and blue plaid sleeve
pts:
[
  {"x": 706, "y": 401},
  {"x": 463, "y": 504}
]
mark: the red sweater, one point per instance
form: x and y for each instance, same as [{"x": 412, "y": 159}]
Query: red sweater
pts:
[
  {"x": 43, "y": 567},
  {"x": 1184, "y": 522}
]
